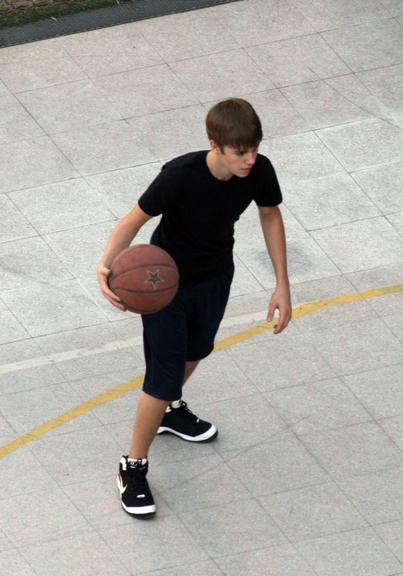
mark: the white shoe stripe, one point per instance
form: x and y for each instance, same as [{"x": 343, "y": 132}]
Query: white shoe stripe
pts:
[
  {"x": 139, "y": 510},
  {"x": 208, "y": 434}
]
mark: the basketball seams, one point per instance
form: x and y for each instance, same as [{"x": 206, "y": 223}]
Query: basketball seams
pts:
[
  {"x": 128, "y": 270},
  {"x": 149, "y": 293},
  {"x": 123, "y": 276},
  {"x": 144, "y": 280}
]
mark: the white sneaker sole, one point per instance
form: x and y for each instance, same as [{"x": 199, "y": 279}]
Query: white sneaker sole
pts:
[
  {"x": 139, "y": 512},
  {"x": 208, "y": 435}
]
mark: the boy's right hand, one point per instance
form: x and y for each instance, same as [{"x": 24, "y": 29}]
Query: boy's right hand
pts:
[{"x": 102, "y": 277}]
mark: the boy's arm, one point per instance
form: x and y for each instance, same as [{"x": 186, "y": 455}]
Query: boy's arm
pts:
[
  {"x": 273, "y": 230},
  {"x": 121, "y": 237}
]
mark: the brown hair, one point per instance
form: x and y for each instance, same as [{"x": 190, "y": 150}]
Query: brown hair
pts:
[{"x": 234, "y": 122}]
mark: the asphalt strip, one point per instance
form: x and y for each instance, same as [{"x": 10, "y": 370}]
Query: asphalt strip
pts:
[{"x": 99, "y": 18}]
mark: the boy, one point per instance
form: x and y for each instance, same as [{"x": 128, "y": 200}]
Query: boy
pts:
[{"x": 199, "y": 195}]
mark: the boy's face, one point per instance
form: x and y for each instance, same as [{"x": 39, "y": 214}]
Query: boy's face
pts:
[{"x": 238, "y": 162}]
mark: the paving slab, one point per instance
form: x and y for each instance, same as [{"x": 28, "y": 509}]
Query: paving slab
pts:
[
  {"x": 16, "y": 123},
  {"x": 226, "y": 529},
  {"x": 356, "y": 551},
  {"x": 165, "y": 544},
  {"x": 51, "y": 515},
  {"x": 381, "y": 184},
  {"x": 281, "y": 560},
  {"x": 165, "y": 123},
  {"x": 78, "y": 553},
  {"x": 102, "y": 148},
  {"x": 364, "y": 143},
  {"x": 218, "y": 76},
  {"x": 386, "y": 84},
  {"x": 110, "y": 50},
  {"x": 297, "y": 60},
  {"x": 368, "y": 45},
  {"x": 61, "y": 206},
  {"x": 196, "y": 494},
  {"x": 69, "y": 106},
  {"x": 37, "y": 65},
  {"x": 33, "y": 162},
  {"x": 377, "y": 496},
  {"x": 310, "y": 157},
  {"x": 327, "y": 14},
  {"x": 322, "y": 405},
  {"x": 321, "y": 105},
  {"x": 281, "y": 21},
  {"x": 354, "y": 450},
  {"x": 10, "y": 329},
  {"x": 280, "y": 464},
  {"x": 121, "y": 188},
  {"x": 380, "y": 390},
  {"x": 328, "y": 201},
  {"x": 393, "y": 427},
  {"x": 353, "y": 89},
  {"x": 187, "y": 35},
  {"x": 12, "y": 561},
  {"x": 376, "y": 240},
  {"x": 397, "y": 221},
  {"x": 53, "y": 308},
  {"x": 26, "y": 410},
  {"x": 80, "y": 448},
  {"x": 312, "y": 512},
  {"x": 391, "y": 534}
]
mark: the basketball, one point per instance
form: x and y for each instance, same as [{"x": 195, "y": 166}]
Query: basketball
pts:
[{"x": 145, "y": 277}]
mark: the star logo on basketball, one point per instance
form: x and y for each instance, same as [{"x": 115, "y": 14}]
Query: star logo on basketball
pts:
[{"x": 153, "y": 278}]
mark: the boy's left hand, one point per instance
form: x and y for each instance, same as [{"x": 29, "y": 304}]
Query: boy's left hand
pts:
[{"x": 281, "y": 301}]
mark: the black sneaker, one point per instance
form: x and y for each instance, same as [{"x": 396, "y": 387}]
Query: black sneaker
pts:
[
  {"x": 135, "y": 494},
  {"x": 183, "y": 423}
]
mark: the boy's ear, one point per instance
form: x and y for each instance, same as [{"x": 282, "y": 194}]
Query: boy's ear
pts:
[{"x": 215, "y": 146}]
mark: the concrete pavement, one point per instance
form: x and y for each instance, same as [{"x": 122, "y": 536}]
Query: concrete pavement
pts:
[{"x": 306, "y": 476}]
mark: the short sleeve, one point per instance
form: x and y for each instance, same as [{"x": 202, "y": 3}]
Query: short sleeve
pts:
[
  {"x": 162, "y": 194},
  {"x": 267, "y": 187}
]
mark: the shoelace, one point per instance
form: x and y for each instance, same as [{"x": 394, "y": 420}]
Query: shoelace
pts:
[
  {"x": 188, "y": 410},
  {"x": 136, "y": 476}
]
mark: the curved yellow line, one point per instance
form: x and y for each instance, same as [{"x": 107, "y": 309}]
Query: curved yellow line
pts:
[
  {"x": 309, "y": 308},
  {"x": 298, "y": 312}
]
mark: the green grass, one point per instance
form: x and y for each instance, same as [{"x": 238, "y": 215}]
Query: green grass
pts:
[{"x": 24, "y": 16}]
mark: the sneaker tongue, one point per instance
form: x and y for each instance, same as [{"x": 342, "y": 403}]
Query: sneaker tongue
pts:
[{"x": 176, "y": 404}]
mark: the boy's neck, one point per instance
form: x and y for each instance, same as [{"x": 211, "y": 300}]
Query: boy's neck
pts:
[{"x": 214, "y": 165}]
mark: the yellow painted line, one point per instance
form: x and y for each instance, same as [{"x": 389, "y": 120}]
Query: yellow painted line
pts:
[
  {"x": 70, "y": 415},
  {"x": 298, "y": 312},
  {"x": 308, "y": 308}
]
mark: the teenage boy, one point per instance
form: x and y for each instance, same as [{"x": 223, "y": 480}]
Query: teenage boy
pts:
[{"x": 199, "y": 195}]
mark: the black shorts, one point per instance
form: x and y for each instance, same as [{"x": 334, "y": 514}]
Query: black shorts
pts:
[{"x": 181, "y": 332}]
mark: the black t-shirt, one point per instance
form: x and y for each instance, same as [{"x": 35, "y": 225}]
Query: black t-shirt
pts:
[{"x": 199, "y": 211}]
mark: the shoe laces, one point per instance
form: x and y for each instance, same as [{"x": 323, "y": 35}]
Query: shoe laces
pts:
[
  {"x": 188, "y": 411},
  {"x": 137, "y": 476}
]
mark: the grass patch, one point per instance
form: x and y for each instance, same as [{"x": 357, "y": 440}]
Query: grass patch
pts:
[{"x": 35, "y": 13}]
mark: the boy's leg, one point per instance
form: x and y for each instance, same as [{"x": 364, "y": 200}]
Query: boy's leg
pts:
[
  {"x": 149, "y": 413},
  {"x": 190, "y": 368}
]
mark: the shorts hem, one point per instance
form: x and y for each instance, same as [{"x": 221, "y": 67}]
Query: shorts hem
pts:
[
  {"x": 199, "y": 357},
  {"x": 159, "y": 397}
]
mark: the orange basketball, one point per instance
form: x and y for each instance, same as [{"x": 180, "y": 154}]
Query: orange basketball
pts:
[{"x": 145, "y": 277}]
